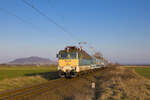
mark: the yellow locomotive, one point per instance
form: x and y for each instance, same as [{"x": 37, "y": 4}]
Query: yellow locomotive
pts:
[{"x": 73, "y": 60}]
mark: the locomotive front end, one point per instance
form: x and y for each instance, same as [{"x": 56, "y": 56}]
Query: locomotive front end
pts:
[{"x": 68, "y": 62}]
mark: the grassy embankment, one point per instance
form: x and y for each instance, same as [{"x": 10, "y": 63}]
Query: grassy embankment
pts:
[
  {"x": 113, "y": 83},
  {"x": 142, "y": 70},
  {"x": 18, "y": 76},
  {"x": 122, "y": 83}
]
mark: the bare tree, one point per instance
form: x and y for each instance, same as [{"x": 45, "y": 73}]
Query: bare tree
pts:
[{"x": 99, "y": 55}]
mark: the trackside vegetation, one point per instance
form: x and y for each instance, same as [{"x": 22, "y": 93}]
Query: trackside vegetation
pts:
[
  {"x": 12, "y": 76},
  {"x": 21, "y": 71},
  {"x": 143, "y": 71}
]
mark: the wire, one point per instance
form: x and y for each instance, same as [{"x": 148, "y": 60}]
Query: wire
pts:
[
  {"x": 12, "y": 14},
  {"x": 48, "y": 18},
  {"x": 19, "y": 18}
]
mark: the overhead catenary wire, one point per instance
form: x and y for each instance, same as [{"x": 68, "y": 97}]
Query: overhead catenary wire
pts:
[
  {"x": 12, "y": 14},
  {"x": 49, "y": 19},
  {"x": 19, "y": 18},
  {"x": 54, "y": 22}
]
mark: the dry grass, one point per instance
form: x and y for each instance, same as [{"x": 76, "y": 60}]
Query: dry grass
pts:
[
  {"x": 72, "y": 90},
  {"x": 7, "y": 84},
  {"x": 122, "y": 84},
  {"x": 114, "y": 83}
]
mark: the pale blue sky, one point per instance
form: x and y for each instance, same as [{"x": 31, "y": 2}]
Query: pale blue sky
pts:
[{"x": 120, "y": 29}]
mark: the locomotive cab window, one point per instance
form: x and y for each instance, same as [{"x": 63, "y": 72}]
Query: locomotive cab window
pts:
[{"x": 69, "y": 55}]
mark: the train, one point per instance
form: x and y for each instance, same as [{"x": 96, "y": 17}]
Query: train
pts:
[{"x": 74, "y": 60}]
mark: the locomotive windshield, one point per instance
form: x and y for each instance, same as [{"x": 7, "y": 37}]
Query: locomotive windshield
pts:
[{"x": 70, "y": 55}]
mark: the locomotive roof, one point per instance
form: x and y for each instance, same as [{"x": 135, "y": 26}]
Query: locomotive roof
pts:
[{"x": 81, "y": 52}]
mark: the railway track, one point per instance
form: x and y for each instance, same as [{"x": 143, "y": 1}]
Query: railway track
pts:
[{"x": 28, "y": 92}]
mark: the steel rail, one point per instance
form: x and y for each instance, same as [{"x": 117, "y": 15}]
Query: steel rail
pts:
[{"x": 26, "y": 91}]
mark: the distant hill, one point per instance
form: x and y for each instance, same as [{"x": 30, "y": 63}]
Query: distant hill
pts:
[{"x": 32, "y": 60}]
